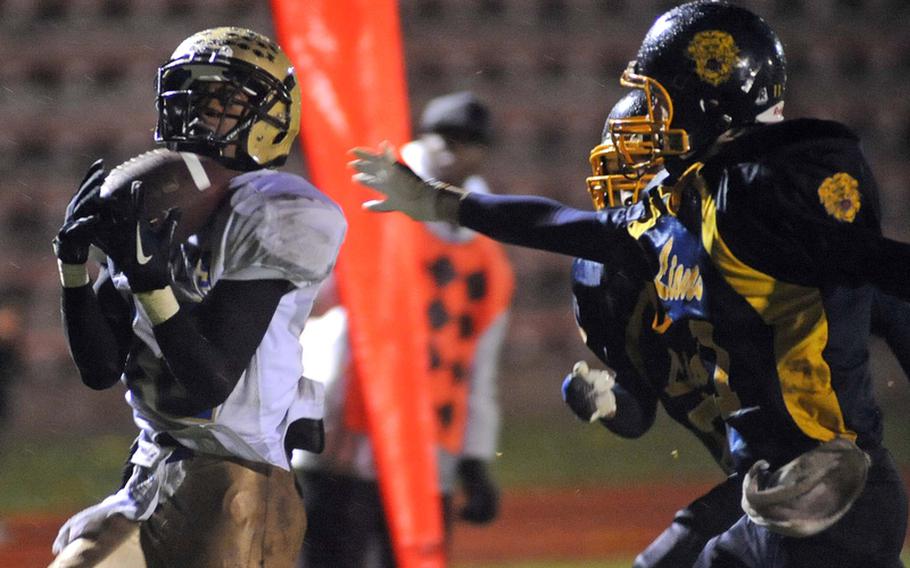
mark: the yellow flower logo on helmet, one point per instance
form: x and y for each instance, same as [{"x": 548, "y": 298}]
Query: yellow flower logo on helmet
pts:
[
  {"x": 840, "y": 196},
  {"x": 714, "y": 53}
]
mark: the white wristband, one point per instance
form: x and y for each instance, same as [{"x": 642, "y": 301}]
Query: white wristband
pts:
[
  {"x": 160, "y": 305},
  {"x": 72, "y": 275}
]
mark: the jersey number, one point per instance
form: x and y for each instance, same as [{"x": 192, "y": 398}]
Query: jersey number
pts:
[{"x": 688, "y": 373}]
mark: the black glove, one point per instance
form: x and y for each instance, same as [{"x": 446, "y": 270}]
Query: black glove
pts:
[
  {"x": 481, "y": 494},
  {"x": 138, "y": 248},
  {"x": 71, "y": 245}
]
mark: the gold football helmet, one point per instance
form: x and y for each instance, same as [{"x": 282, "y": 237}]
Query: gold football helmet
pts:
[{"x": 229, "y": 93}]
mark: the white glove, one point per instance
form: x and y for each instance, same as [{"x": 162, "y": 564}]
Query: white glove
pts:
[
  {"x": 405, "y": 191},
  {"x": 808, "y": 494},
  {"x": 589, "y": 392}
]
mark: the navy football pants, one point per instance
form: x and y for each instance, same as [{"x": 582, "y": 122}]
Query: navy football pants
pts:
[
  {"x": 870, "y": 535},
  {"x": 703, "y": 519}
]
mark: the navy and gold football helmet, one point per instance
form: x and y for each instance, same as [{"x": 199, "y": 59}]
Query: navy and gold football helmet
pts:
[
  {"x": 705, "y": 67},
  {"x": 616, "y": 180},
  {"x": 231, "y": 94}
]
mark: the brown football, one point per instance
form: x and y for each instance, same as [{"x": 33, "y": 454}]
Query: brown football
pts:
[{"x": 195, "y": 184}]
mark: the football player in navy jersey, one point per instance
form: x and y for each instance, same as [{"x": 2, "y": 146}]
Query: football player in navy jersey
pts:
[
  {"x": 763, "y": 245},
  {"x": 615, "y": 306}
]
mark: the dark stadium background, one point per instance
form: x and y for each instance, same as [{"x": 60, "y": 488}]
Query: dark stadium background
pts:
[{"x": 76, "y": 83}]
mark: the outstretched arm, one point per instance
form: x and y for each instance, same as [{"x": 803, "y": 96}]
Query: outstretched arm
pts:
[
  {"x": 545, "y": 224},
  {"x": 527, "y": 221}
]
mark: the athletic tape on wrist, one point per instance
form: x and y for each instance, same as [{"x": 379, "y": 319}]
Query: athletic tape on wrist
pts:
[
  {"x": 160, "y": 305},
  {"x": 72, "y": 275}
]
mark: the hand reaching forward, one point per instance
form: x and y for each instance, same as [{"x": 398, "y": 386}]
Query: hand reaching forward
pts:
[{"x": 404, "y": 190}]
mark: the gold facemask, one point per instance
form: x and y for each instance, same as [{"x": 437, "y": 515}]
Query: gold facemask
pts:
[
  {"x": 642, "y": 141},
  {"x": 608, "y": 185}
]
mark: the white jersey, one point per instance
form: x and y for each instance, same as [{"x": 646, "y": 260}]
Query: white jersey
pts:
[{"x": 276, "y": 226}]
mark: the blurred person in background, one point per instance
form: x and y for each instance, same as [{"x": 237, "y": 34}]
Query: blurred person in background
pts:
[
  {"x": 13, "y": 304},
  {"x": 471, "y": 284},
  {"x": 204, "y": 332}
]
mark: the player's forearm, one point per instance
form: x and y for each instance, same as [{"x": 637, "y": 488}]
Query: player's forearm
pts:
[
  {"x": 198, "y": 365},
  {"x": 632, "y": 418},
  {"x": 93, "y": 344},
  {"x": 208, "y": 352},
  {"x": 541, "y": 223}
]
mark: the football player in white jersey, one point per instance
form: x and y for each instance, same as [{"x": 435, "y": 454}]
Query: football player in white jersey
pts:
[{"x": 198, "y": 312}]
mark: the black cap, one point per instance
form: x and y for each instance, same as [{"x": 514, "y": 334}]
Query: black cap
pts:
[{"x": 460, "y": 116}]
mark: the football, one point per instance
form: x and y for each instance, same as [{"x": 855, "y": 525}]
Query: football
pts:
[{"x": 192, "y": 183}]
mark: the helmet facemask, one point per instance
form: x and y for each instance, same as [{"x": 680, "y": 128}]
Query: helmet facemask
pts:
[
  {"x": 607, "y": 184},
  {"x": 643, "y": 141},
  {"x": 631, "y": 152}
]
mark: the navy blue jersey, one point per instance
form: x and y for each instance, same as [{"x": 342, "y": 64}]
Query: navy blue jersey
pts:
[
  {"x": 760, "y": 258},
  {"x": 616, "y": 310}
]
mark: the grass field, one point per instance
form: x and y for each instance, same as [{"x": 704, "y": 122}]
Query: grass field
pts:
[
  {"x": 66, "y": 472},
  {"x": 57, "y": 475}
]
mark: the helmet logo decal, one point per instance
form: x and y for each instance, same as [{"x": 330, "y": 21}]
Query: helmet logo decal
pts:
[
  {"x": 840, "y": 196},
  {"x": 714, "y": 53}
]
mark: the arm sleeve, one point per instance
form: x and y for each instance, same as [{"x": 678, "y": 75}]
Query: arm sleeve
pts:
[
  {"x": 891, "y": 321},
  {"x": 208, "y": 351},
  {"x": 545, "y": 224},
  {"x": 636, "y": 402},
  {"x": 482, "y": 427},
  {"x": 864, "y": 257},
  {"x": 96, "y": 322},
  {"x": 635, "y": 413}
]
